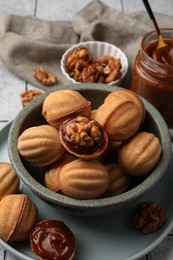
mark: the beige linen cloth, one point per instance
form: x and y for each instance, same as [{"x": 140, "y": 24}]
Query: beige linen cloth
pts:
[{"x": 27, "y": 43}]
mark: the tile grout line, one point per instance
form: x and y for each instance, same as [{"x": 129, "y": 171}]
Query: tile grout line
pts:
[
  {"x": 35, "y": 8},
  {"x": 122, "y": 6}
]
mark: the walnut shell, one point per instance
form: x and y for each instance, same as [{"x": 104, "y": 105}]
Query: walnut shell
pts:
[
  {"x": 140, "y": 154},
  {"x": 18, "y": 214},
  {"x": 9, "y": 181},
  {"x": 51, "y": 177},
  {"x": 63, "y": 104},
  {"x": 128, "y": 95},
  {"x": 40, "y": 145},
  {"x": 119, "y": 182},
  {"x": 84, "y": 179},
  {"x": 120, "y": 119}
]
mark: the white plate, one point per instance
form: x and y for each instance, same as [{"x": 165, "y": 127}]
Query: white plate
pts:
[{"x": 101, "y": 237}]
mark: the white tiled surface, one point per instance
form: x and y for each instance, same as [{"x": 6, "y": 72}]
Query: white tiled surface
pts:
[{"x": 11, "y": 85}]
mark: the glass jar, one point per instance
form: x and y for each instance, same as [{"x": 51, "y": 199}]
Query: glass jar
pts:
[{"x": 153, "y": 80}]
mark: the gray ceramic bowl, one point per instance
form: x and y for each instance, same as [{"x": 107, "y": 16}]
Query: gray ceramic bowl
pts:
[{"x": 33, "y": 177}]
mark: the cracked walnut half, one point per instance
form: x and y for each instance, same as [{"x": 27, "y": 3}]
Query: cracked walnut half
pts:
[{"x": 148, "y": 217}]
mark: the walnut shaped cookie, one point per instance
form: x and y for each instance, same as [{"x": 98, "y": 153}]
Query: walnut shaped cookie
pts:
[
  {"x": 40, "y": 145},
  {"x": 119, "y": 182},
  {"x": 83, "y": 179},
  {"x": 128, "y": 95},
  {"x": 84, "y": 138},
  {"x": 120, "y": 118},
  {"x": 140, "y": 154},
  {"x": 51, "y": 178},
  {"x": 18, "y": 214},
  {"x": 9, "y": 181},
  {"x": 63, "y": 104}
]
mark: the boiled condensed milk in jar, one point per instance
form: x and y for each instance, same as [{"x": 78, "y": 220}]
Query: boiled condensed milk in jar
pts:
[{"x": 153, "y": 73}]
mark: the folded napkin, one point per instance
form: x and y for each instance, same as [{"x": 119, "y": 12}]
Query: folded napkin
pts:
[{"x": 26, "y": 43}]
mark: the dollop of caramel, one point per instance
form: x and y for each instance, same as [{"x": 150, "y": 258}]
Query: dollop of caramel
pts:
[
  {"x": 52, "y": 239},
  {"x": 164, "y": 55}
]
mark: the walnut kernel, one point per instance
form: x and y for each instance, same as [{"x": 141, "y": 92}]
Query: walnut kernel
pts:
[
  {"x": 148, "y": 217},
  {"x": 44, "y": 76},
  {"x": 83, "y": 131},
  {"x": 83, "y": 68},
  {"x": 29, "y": 95},
  {"x": 78, "y": 59}
]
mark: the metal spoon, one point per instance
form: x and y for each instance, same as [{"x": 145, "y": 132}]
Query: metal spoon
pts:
[{"x": 163, "y": 52}]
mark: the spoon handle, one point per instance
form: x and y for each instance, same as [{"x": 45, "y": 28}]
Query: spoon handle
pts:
[{"x": 151, "y": 15}]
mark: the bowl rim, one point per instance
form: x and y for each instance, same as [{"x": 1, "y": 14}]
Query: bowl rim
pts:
[
  {"x": 69, "y": 50},
  {"x": 68, "y": 202}
]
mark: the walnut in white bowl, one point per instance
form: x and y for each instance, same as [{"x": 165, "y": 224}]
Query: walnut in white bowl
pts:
[{"x": 94, "y": 62}]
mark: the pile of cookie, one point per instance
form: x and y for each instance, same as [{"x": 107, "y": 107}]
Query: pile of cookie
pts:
[
  {"x": 91, "y": 153},
  {"x": 19, "y": 221}
]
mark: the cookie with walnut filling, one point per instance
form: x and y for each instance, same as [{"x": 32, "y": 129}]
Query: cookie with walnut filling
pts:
[{"x": 84, "y": 138}]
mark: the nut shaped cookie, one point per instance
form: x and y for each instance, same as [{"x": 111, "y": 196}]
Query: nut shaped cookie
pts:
[
  {"x": 18, "y": 214},
  {"x": 119, "y": 182},
  {"x": 84, "y": 179},
  {"x": 9, "y": 181},
  {"x": 140, "y": 154},
  {"x": 83, "y": 138},
  {"x": 51, "y": 177},
  {"x": 120, "y": 118},
  {"x": 63, "y": 104},
  {"x": 40, "y": 145},
  {"x": 128, "y": 95}
]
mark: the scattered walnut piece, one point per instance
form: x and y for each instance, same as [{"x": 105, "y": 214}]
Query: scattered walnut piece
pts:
[
  {"x": 29, "y": 95},
  {"x": 83, "y": 68},
  {"x": 148, "y": 217},
  {"x": 44, "y": 76}
]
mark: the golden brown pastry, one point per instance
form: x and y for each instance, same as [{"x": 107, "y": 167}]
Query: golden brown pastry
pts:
[
  {"x": 40, "y": 145},
  {"x": 140, "y": 154},
  {"x": 9, "y": 181},
  {"x": 119, "y": 182},
  {"x": 84, "y": 179},
  {"x": 128, "y": 95},
  {"x": 52, "y": 239},
  {"x": 63, "y": 104},
  {"x": 18, "y": 214},
  {"x": 84, "y": 138},
  {"x": 51, "y": 178},
  {"x": 93, "y": 112},
  {"x": 120, "y": 119}
]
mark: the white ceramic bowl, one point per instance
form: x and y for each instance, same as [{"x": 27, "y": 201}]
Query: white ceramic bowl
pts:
[{"x": 97, "y": 49}]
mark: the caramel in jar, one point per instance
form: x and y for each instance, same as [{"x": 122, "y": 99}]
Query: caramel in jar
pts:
[{"x": 153, "y": 79}]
